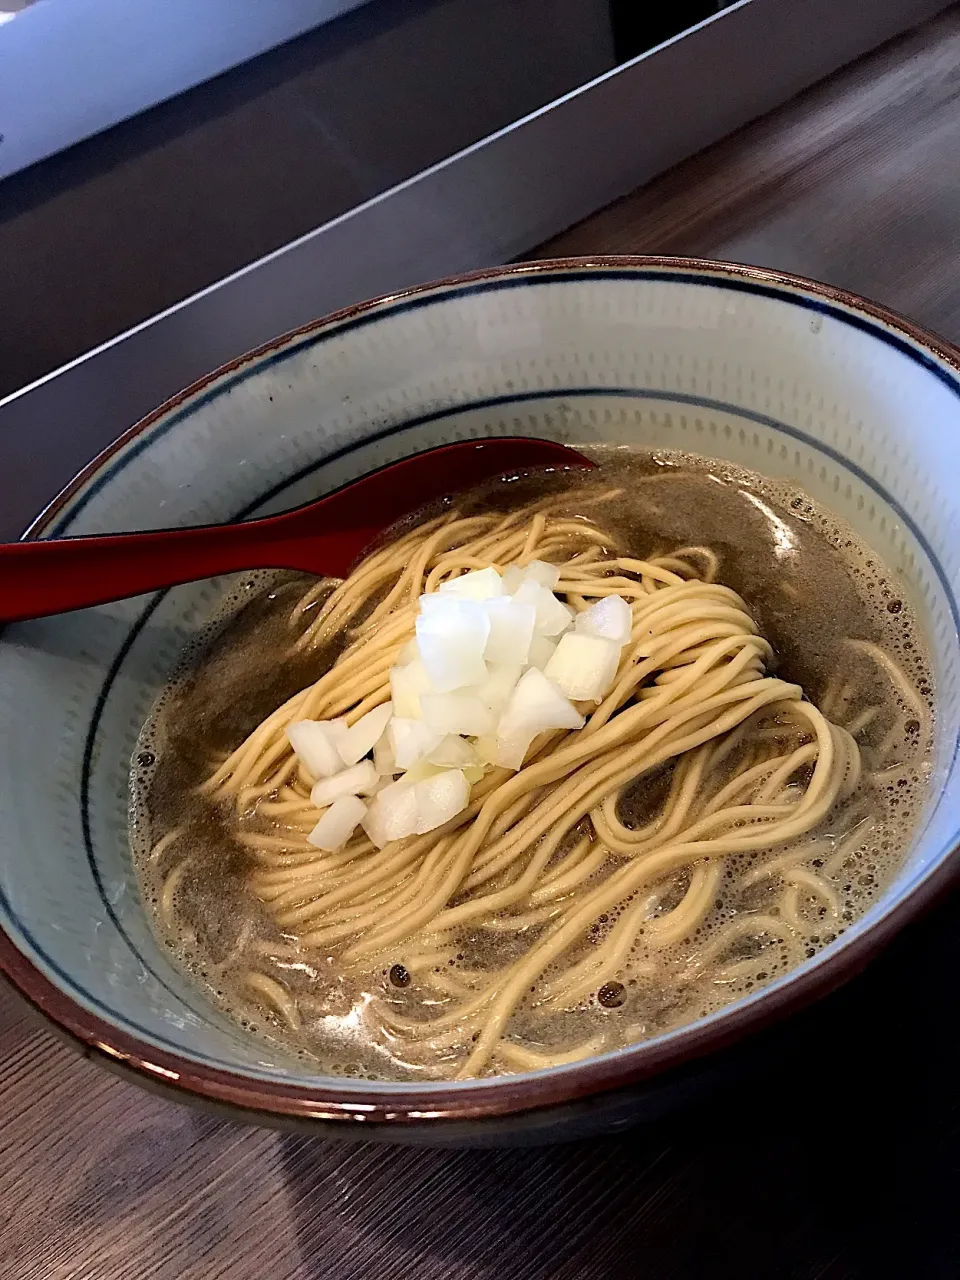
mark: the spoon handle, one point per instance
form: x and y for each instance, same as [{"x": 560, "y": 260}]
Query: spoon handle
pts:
[
  {"x": 45, "y": 577},
  {"x": 326, "y": 537}
]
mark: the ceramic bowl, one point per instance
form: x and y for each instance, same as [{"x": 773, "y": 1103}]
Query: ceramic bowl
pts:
[{"x": 779, "y": 374}]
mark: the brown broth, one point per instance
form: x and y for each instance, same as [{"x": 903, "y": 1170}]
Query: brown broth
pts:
[{"x": 809, "y": 583}]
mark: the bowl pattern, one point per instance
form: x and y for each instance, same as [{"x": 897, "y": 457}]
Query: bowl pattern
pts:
[{"x": 790, "y": 379}]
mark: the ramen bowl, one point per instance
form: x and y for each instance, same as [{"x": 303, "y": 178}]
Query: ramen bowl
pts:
[{"x": 770, "y": 372}]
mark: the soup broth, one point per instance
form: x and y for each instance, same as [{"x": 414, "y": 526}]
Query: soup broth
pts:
[{"x": 222, "y": 876}]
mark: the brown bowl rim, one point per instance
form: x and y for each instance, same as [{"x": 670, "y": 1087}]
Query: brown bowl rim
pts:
[{"x": 502, "y": 1095}]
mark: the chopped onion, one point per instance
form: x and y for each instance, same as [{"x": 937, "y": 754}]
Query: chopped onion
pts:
[
  {"x": 411, "y": 740},
  {"x": 482, "y": 584},
  {"x": 338, "y": 824},
  {"x": 409, "y": 653},
  {"x": 541, "y": 651},
  {"x": 451, "y": 635},
  {"x": 610, "y": 618},
  {"x": 362, "y": 777},
  {"x": 315, "y": 743},
  {"x": 360, "y": 739},
  {"x": 510, "y": 753},
  {"x": 384, "y": 761},
  {"x": 461, "y": 713},
  {"x": 512, "y": 577},
  {"x": 392, "y": 813},
  {"x": 406, "y": 685},
  {"x": 552, "y": 615},
  {"x": 336, "y": 728},
  {"x": 463, "y": 678},
  {"x": 423, "y": 769},
  {"x": 536, "y": 705},
  {"x": 453, "y": 752},
  {"x": 547, "y": 575},
  {"x": 496, "y": 690},
  {"x": 584, "y": 667},
  {"x": 511, "y": 630},
  {"x": 440, "y": 798},
  {"x": 373, "y": 821}
]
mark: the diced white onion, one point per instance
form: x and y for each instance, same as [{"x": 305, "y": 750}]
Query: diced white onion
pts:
[
  {"x": 362, "y": 777},
  {"x": 374, "y": 820},
  {"x": 440, "y": 798},
  {"x": 335, "y": 728},
  {"x": 552, "y": 615},
  {"x": 482, "y": 584},
  {"x": 411, "y": 740},
  {"x": 338, "y": 824},
  {"x": 610, "y": 618},
  {"x": 314, "y": 742},
  {"x": 360, "y": 738},
  {"x": 547, "y": 575},
  {"x": 584, "y": 667},
  {"x": 384, "y": 761},
  {"x": 512, "y": 577},
  {"x": 463, "y": 678},
  {"x": 539, "y": 705},
  {"x": 392, "y": 813},
  {"x": 500, "y": 683},
  {"x": 511, "y": 752},
  {"x": 541, "y": 651},
  {"x": 422, "y": 769},
  {"x": 511, "y": 630},
  {"x": 453, "y": 752},
  {"x": 452, "y": 634},
  {"x": 460, "y": 713},
  {"x": 406, "y": 685},
  {"x": 409, "y": 653}
]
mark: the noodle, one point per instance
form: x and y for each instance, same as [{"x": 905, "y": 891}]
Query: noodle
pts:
[
  {"x": 744, "y": 785},
  {"x": 544, "y": 857}
]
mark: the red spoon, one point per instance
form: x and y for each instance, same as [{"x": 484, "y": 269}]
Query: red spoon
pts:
[{"x": 325, "y": 537}]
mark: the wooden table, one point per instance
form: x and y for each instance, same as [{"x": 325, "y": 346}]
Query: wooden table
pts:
[{"x": 852, "y": 1173}]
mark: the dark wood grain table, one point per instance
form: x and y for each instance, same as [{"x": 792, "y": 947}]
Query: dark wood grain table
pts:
[{"x": 848, "y": 1167}]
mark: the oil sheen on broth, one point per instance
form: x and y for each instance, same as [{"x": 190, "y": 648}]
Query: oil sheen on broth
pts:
[{"x": 810, "y": 586}]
